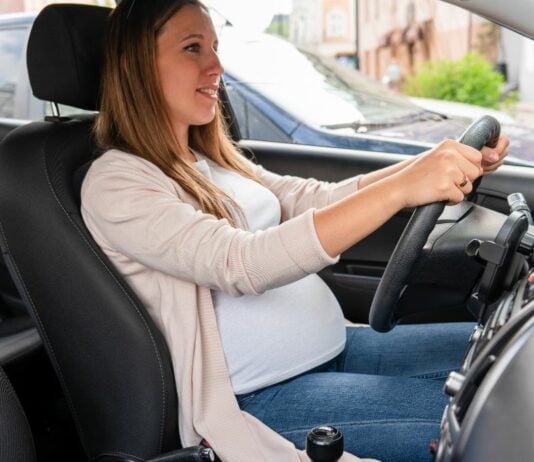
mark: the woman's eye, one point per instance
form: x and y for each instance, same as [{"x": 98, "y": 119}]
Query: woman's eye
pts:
[{"x": 194, "y": 47}]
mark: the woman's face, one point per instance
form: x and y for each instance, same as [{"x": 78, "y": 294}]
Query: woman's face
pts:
[{"x": 189, "y": 68}]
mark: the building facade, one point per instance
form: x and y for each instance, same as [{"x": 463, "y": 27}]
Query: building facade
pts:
[
  {"x": 327, "y": 27},
  {"x": 409, "y": 32},
  {"x": 402, "y": 32},
  {"x": 305, "y": 23}
]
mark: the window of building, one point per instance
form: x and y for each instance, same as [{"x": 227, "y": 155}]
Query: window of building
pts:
[
  {"x": 336, "y": 20},
  {"x": 366, "y": 13},
  {"x": 410, "y": 13}
]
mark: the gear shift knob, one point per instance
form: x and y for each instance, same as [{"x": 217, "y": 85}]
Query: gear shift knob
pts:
[{"x": 324, "y": 444}]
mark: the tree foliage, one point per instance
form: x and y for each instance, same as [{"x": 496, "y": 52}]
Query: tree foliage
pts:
[{"x": 469, "y": 80}]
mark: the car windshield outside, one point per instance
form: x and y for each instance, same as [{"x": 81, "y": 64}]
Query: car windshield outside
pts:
[
  {"x": 314, "y": 89},
  {"x": 302, "y": 97}
]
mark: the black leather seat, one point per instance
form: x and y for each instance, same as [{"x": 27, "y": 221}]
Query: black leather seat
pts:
[
  {"x": 16, "y": 443},
  {"x": 110, "y": 358}
]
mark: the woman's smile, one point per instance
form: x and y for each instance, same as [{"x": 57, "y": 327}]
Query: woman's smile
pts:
[{"x": 209, "y": 91}]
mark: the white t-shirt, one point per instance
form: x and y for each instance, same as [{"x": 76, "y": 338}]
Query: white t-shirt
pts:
[{"x": 285, "y": 331}]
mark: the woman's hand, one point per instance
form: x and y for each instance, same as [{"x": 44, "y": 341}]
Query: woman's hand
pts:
[
  {"x": 493, "y": 158},
  {"x": 445, "y": 173}
]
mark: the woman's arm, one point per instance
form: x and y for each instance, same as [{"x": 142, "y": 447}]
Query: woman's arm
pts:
[
  {"x": 431, "y": 177},
  {"x": 492, "y": 159},
  {"x": 377, "y": 175},
  {"x": 297, "y": 195},
  {"x": 133, "y": 210},
  {"x": 136, "y": 216}
]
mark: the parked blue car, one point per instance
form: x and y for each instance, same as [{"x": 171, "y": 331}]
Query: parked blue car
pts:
[{"x": 307, "y": 99}]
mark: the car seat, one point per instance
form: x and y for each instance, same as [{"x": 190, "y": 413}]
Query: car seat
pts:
[
  {"x": 16, "y": 443},
  {"x": 111, "y": 360}
]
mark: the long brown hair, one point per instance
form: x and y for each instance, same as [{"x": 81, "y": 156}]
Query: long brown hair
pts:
[{"x": 133, "y": 117}]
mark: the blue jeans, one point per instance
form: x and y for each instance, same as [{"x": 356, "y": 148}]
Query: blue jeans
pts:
[{"x": 384, "y": 392}]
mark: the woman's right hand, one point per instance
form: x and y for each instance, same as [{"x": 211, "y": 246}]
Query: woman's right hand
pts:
[{"x": 445, "y": 173}]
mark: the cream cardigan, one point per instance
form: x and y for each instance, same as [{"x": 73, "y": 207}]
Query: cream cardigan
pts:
[{"x": 172, "y": 254}]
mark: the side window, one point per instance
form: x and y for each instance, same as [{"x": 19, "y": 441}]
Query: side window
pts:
[
  {"x": 261, "y": 128},
  {"x": 253, "y": 123},
  {"x": 238, "y": 104},
  {"x": 65, "y": 110},
  {"x": 12, "y": 46},
  {"x": 16, "y": 98}
]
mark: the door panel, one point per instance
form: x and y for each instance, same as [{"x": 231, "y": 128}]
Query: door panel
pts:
[{"x": 355, "y": 277}]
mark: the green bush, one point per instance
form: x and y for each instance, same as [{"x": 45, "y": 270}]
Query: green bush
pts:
[
  {"x": 509, "y": 102},
  {"x": 469, "y": 80}
]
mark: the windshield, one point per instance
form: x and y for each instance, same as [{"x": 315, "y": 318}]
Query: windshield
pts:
[
  {"x": 313, "y": 89},
  {"x": 375, "y": 101}
]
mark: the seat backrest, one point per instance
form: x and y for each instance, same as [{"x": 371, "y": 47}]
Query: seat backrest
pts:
[
  {"x": 111, "y": 360},
  {"x": 16, "y": 443}
]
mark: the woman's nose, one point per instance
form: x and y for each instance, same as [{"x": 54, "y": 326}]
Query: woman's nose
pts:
[{"x": 215, "y": 66}]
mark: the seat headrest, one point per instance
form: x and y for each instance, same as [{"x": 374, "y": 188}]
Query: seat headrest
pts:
[{"x": 65, "y": 54}]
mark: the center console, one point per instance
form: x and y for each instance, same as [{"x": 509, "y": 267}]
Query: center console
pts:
[{"x": 490, "y": 414}]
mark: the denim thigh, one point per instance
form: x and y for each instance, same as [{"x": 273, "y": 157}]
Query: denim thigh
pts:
[
  {"x": 377, "y": 392},
  {"x": 387, "y": 418},
  {"x": 409, "y": 350}
]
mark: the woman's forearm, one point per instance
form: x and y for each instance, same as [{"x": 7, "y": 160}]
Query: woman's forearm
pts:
[
  {"x": 445, "y": 173},
  {"x": 492, "y": 158},
  {"x": 342, "y": 224},
  {"x": 377, "y": 175}
]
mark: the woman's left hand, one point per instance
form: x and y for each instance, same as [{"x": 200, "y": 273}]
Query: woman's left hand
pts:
[{"x": 493, "y": 158}]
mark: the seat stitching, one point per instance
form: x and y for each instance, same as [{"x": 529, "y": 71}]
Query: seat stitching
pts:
[
  {"x": 42, "y": 331},
  {"x": 121, "y": 288}
]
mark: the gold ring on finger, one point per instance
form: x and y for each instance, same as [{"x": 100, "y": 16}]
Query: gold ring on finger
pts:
[{"x": 463, "y": 183}]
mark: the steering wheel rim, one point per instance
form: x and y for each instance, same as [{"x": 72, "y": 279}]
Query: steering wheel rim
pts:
[{"x": 384, "y": 313}]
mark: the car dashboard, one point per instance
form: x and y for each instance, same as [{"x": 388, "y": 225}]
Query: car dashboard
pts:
[{"x": 490, "y": 413}]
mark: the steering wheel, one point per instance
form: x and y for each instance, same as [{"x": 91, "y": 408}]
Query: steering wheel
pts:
[{"x": 384, "y": 313}]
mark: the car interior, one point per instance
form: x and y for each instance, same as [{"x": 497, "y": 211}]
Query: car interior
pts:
[{"x": 105, "y": 372}]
